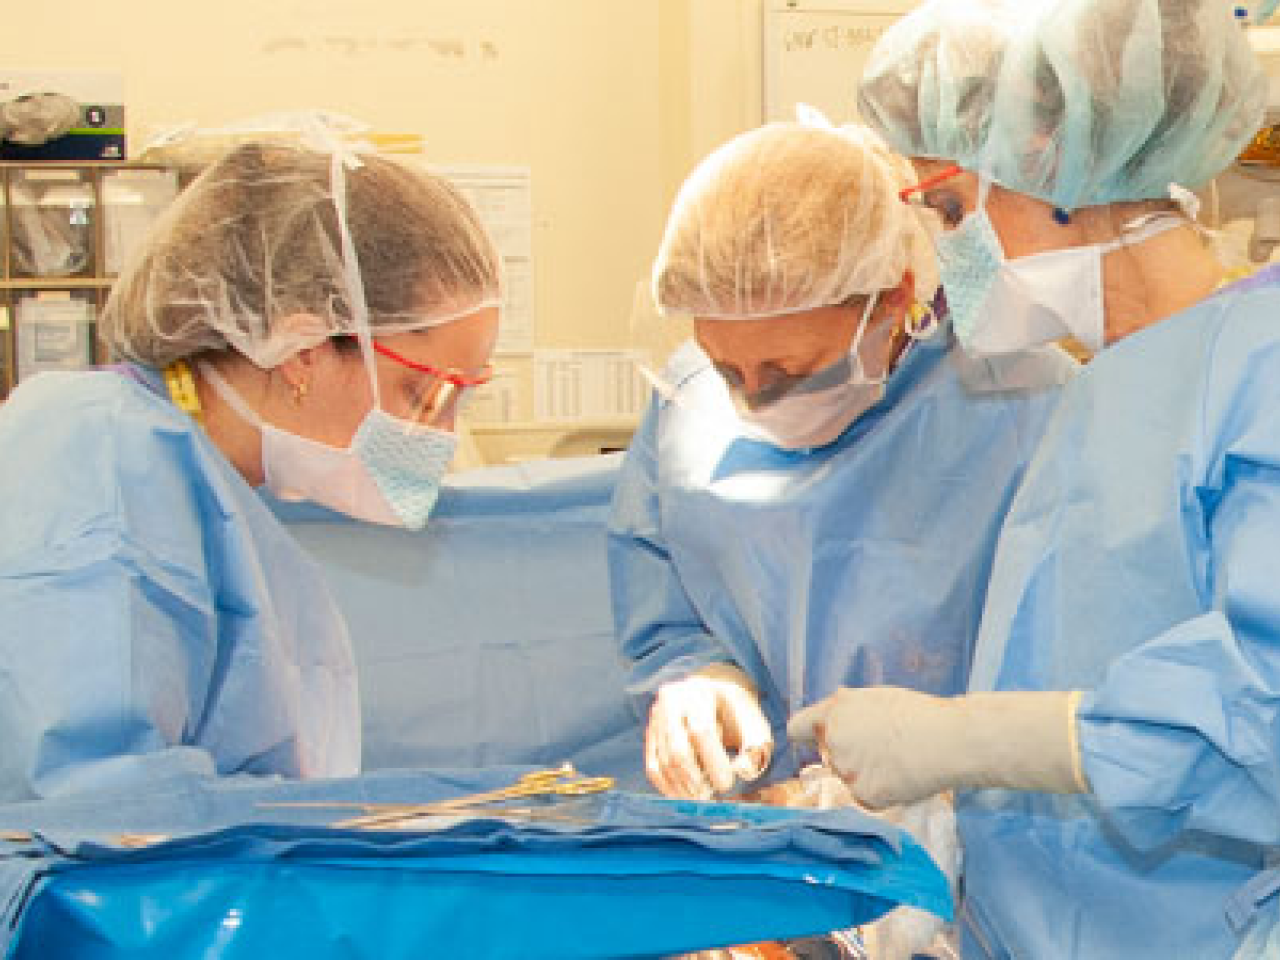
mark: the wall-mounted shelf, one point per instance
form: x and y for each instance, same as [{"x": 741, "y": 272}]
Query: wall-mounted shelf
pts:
[{"x": 65, "y": 229}]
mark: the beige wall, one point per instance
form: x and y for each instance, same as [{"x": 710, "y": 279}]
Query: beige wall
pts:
[
  {"x": 609, "y": 102},
  {"x": 574, "y": 89}
]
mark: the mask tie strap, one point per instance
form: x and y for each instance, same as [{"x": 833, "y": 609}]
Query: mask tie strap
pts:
[
  {"x": 359, "y": 306},
  {"x": 855, "y": 347},
  {"x": 342, "y": 158},
  {"x": 229, "y": 395},
  {"x": 1141, "y": 229}
]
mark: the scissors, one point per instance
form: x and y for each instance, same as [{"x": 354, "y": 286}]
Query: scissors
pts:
[{"x": 561, "y": 781}]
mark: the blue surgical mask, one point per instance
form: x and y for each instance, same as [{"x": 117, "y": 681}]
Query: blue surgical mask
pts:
[{"x": 1003, "y": 306}]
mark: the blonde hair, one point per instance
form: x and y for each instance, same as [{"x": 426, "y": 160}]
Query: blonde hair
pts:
[{"x": 789, "y": 217}]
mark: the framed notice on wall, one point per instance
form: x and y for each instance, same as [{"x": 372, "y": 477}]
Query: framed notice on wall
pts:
[
  {"x": 503, "y": 198},
  {"x": 815, "y": 51}
]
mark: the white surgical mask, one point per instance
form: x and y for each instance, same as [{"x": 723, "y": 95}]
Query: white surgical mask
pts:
[
  {"x": 815, "y": 411},
  {"x": 389, "y": 474},
  {"x": 1001, "y": 306}
]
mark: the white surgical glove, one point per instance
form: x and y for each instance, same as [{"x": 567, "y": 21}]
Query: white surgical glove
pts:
[
  {"x": 896, "y": 746},
  {"x": 695, "y": 723}
]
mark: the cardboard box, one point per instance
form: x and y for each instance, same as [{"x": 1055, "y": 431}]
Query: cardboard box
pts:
[{"x": 98, "y": 133}]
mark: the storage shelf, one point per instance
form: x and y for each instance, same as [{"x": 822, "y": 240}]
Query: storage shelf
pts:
[
  {"x": 79, "y": 165},
  {"x": 56, "y": 283},
  {"x": 61, "y": 340}
]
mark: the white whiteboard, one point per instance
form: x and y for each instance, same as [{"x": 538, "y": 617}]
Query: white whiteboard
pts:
[{"x": 815, "y": 50}]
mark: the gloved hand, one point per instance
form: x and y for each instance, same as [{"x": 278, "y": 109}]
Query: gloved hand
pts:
[
  {"x": 896, "y": 746},
  {"x": 694, "y": 724}
]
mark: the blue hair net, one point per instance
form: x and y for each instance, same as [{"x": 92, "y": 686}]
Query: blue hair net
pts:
[{"x": 1077, "y": 102}]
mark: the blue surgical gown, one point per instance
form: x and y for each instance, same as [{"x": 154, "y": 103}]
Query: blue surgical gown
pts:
[
  {"x": 1139, "y": 564},
  {"x": 862, "y": 562},
  {"x": 155, "y": 618}
]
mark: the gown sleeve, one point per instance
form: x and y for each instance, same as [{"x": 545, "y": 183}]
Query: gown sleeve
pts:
[
  {"x": 1183, "y": 734},
  {"x": 659, "y": 629},
  {"x": 108, "y": 644}
]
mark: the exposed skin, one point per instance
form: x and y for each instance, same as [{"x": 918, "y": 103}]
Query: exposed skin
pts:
[
  {"x": 323, "y": 393},
  {"x": 1142, "y": 283}
]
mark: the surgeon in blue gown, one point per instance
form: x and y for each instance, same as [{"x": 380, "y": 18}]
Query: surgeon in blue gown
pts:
[
  {"x": 813, "y": 496},
  {"x": 1121, "y": 745},
  {"x": 299, "y": 320}
]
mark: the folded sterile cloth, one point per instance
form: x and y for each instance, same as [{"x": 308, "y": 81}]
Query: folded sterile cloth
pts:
[
  {"x": 616, "y": 870},
  {"x": 906, "y": 932}
]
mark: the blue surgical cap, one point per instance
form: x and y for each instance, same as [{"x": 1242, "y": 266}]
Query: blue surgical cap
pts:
[{"x": 1077, "y": 102}]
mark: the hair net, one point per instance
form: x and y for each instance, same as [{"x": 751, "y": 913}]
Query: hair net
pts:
[
  {"x": 276, "y": 247},
  {"x": 790, "y": 217},
  {"x": 1077, "y": 102}
]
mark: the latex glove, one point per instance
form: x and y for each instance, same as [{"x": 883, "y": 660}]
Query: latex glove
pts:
[
  {"x": 695, "y": 723},
  {"x": 897, "y": 746}
]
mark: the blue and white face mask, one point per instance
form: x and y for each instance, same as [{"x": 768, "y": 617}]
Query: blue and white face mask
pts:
[
  {"x": 389, "y": 474},
  {"x": 1001, "y": 306}
]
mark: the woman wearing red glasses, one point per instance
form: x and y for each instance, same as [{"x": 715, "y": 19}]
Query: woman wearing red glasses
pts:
[
  {"x": 300, "y": 320},
  {"x": 813, "y": 496},
  {"x": 1118, "y": 755}
]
